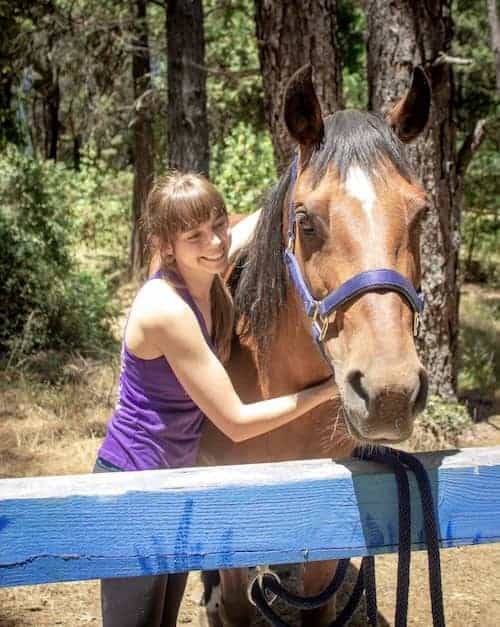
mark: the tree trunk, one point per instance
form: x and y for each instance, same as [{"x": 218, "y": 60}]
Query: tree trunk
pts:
[
  {"x": 289, "y": 35},
  {"x": 402, "y": 34},
  {"x": 495, "y": 37},
  {"x": 187, "y": 126},
  {"x": 143, "y": 132},
  {"x": 77, "y": 152},
  {"x": 8, "y": 127},
  {"x": 52, "y": 124},
  {"x": 9, "y": 29}
]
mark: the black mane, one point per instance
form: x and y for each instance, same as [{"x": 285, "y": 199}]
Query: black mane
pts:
[{"x": 352, "y": 138}]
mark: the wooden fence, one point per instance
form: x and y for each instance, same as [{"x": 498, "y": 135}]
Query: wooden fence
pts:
[{"x": 142, "y": 523}]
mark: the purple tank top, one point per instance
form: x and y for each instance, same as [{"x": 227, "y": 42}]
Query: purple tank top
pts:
[{"x": 155, "y": 424}]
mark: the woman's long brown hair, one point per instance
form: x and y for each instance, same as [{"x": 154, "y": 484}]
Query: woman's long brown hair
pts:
[{"x": 180, "y": 202}]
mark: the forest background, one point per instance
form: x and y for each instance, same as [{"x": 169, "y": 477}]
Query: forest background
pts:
[
  {"x": 91, "y": 110},
  {"x": 91, "y": 107}
]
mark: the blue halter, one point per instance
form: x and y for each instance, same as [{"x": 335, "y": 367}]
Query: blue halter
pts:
[{"x": 368, "y": 281}]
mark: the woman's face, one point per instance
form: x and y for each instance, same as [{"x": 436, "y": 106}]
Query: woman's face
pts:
[{"x": 204, "y": 248}]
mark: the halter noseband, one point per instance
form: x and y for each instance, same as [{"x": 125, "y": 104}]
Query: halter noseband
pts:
[{"x": 368, "y": 281}]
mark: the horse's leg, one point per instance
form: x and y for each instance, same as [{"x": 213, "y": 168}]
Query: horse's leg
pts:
[
  {"x": 176, "y": 584},
  {"x": 317, "y": 575},
  {"x": 210, "y": 601},
  {"x": 235, "y": 609}
]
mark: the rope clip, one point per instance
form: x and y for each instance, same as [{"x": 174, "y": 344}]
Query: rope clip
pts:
[{"x": 258, "y": 578}]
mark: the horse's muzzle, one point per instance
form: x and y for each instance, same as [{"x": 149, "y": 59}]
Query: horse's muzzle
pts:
[{"x": 381, "y": 410}]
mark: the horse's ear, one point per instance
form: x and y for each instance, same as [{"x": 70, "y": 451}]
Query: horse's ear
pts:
[
  {"x": 410, "y": 115},
  {"x": 302, "y": 111}
]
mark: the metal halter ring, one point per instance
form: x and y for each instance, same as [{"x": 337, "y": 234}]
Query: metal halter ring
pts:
[
  {"x": 258, "y": 577},
  {"x": 322, "y": 328}
]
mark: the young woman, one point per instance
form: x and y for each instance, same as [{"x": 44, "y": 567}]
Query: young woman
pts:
[{"x": 178, "y": 332}]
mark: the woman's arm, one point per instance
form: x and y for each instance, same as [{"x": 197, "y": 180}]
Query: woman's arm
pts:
[
  {"x": 178, "y": 335},
  {"x": 242, "y": 232}
]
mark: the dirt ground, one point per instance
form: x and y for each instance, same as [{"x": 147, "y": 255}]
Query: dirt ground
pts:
[
  {"x": 470, "y": 577},
  {"x": 57, "y": 429}
]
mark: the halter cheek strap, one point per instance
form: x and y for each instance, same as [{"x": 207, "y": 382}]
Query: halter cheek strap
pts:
[{"x": 367, "y": 281}]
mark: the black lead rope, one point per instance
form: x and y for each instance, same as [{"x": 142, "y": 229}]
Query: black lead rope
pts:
[
  {"x": 431, "y": 534},
  {"x": 404, "y": 517},
  {"x": 400, "y": 462}
]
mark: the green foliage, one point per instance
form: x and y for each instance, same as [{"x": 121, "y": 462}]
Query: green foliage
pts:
[
  {"x": 475, "y": 92},
  {"x": 475, "y": 98},
  {"x": 479, "y": 347},
  {"x": 47, "y": 300},
  {"x": 480, "y": 246},
  {"x": 234, "y": 83},
  {"x": 480, "y": 228},
  {"x": 243, "y": 167},
  {"x": 242, "y": 162},
  {"x": 100, "y": 200},
  {"x": 351, "y": 30},
  {"x": 444, "y": 421}
]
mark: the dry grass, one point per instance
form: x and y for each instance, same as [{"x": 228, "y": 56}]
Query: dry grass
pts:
[
  {"x": 55, "y": 429},
  {"x": 53, "y": 410}
]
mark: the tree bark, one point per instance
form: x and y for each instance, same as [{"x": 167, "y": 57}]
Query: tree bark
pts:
[
  {"x": 8, "y": 127},
  {"x": 51, "y": 91},
  {"x": 9, "y": 27},
  {"x": 51, "y": 114},
  {"x": 289, "y": 35},
  {"x": 495, "y": 37},
  {"x": 402, "y": 34},
  {"x": 187, "y": 126},
  {"x": 143, "y": 131}
]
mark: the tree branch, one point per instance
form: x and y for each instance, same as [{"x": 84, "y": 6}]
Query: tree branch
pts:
[
  {"x": 470, "y": 146},
  {"x": 442, "y": 58}
]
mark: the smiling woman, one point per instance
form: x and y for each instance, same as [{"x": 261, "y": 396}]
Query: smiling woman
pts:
[{"x": 178, "y": 330}]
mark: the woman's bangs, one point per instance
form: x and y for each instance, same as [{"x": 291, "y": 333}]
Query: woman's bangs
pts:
[{"x": 195, "y": 209}]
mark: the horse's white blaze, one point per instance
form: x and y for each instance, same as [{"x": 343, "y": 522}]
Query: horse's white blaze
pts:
[{"x": 359, "y": 186}]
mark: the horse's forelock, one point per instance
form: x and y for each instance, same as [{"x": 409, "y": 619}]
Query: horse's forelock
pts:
[{"x": 358, "y": 138}]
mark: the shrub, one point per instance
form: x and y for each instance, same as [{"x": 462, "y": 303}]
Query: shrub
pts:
[
  {"x": 100, "y": 200},
  {"x": 441, "y": 425},
  {"x": 47, "y": 300}
]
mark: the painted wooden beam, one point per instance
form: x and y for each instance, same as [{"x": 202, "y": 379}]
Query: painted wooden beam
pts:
[{"x": 141, "y": 523}]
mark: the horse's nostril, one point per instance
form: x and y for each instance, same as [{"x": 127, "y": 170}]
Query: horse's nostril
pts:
[
  {"x": 421, "y": 398},
  {"x": 354, "y": 379}
]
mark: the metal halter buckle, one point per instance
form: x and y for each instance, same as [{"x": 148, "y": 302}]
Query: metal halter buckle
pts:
[
  {"x": 322, "y": 328},
  {"x": 260, "y": 571}
]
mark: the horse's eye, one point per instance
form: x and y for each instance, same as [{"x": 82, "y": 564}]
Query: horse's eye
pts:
[{"x": 305, "y": 223}]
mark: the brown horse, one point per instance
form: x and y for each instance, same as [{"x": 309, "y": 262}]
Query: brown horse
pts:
[{"x": 356, "y": 207}]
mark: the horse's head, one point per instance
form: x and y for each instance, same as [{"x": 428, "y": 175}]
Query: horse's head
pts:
[{"x": 358, "y": 208}]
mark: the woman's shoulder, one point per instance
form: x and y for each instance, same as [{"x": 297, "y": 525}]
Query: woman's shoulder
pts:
[
  {"x": 158, "y": 304},
  {"x": 159, "y": 321}
]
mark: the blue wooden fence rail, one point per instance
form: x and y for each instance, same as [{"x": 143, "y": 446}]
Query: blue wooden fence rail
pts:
[{"x": 117, "y": 524}]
